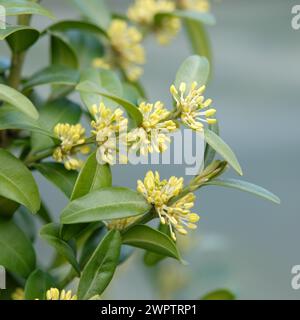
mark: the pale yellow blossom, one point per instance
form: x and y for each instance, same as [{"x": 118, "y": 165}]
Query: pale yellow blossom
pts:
[
  {"x": 126, "y": 45},
  {"x": 193, "y": 107},
  {"x": 143, "y": 12},
  {"x": 72, "y": 139},
  {"x": 101, "y": 63},
  {"x": 153, "y": 134},
  {"x": 159, "y": 193},
  {"x": 18, "y": 294},
  {"x": 55, "y": 294},
  {"x": 107, "y": 127}
]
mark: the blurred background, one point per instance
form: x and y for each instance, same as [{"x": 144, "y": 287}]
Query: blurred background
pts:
[{"x": 243, "y": 243}]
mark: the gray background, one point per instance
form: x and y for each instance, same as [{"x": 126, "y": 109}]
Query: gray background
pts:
[{"x": 243, "y": 243}]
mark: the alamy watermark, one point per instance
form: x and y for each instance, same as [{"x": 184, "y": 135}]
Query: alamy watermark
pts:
[
  {"x": 181, "y": 147},
  {"x": 2, "y": 17},
  {"x": 2, "y": 278},
  {"x": 296, "y": 17}
]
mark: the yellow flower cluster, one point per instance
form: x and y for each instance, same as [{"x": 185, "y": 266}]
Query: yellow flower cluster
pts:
[
  {"x": 159, "y": 193},
  {"x": 106, "y": 126},
  {"x": 152, "y": 135},
  {"x": 18, "y": 294},
  {"x": 55, "y": 294},
  {"x": 192, "y": 106},
  {"x": 197, "y": 5},
  {"x": 143, "y": 13},
  {"x": 72, "y": 139},
  {"x": 126, "y": 44}
]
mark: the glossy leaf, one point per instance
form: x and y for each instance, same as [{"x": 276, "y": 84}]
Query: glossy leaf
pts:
[
  {"x": 152, "y": 258},
  {"x": 50, "y": 233},
  {"x": 16, "y": 254},
  {"x": 8, "y": 207},
  {"x": 54, "y": 112},
  {"x": 210, "y": 153},
  {"x": 37, "y": 285},
  {"x": 11, "y": 118},
  {"x": 223, "y": 149},
  {"x": 58, "y": 75},
  {"x": 22, "y": 39},
  {"x": 144, "y": 237},
  {"x": 57, "y": 174},
  {"x": 245, "y": 186},
  {"x": 99, "y": 270},
  {"x": 199, "y": 39},
  {"x": 221, "y": 294},
  {"x": 131, "y": 109},
  {"x": 18, "y": 100},
  {"x": 94, "y": 10},
  {"x": 131, "y": 93},
  {"x": 20, "y": 7},
  {"x": 26, "y": 222},
  {"x": 105, "y": 204},
  {"x": 101, "y": 80},
  {"x": 193, "y": 15},
  {"x": 93, "y": 176},
  {"x": 17, "y": 183},
  {"x": 67, "y": 25},
  {"x": 194, "y": 68},
  {"x": 62, "y": 53},
  {"x": 87, "y": 46}
]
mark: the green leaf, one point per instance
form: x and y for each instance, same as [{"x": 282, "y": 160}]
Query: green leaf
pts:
[
  {"x": 221, "y": 294},
  {"x": 57, "y": 174},
  {"x": 21, "y": 39},
  {"x": 99, "y": 270},
  {"x": 67, "y": 25},
  {"x": 54, "y": 112},
  {"x": 18, "y": 100},
  {"x": 20, "y": 7},
  {"x": 101, "y": 80},
  {"x": 131, "y": 109},
  {"x": 10, "y": 118},
  {"x": 62, "y": 53},
  {"x": 93, "y": 176},
  {"x": 17, "y": 183},
  {"x": 16, "y": 254},
  {"x": 151, "y": 258},
  {"x": 223, "y": 149},
  {"x": 199, "y": 39},
  {"x": 26, "y": 222},
  {"x": 105, "y": 204},
  {"x": 50, "y": 233},
  {"x": 210, "y": 153},
  {"x": 8, "y": 207},
  {"x": 190, "y": 15},
  {"x": 95, "y": 10},
  {"x": 144, "y": 237},
  {"x": 37, "y": 285},
  {"x": 86, "y": 45},
  {"x": 131, "y": 93},
  {"x": 194, "y": 68},
  {"x": 245, "y": 186},
  {"x": 55, "y": 74}
]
